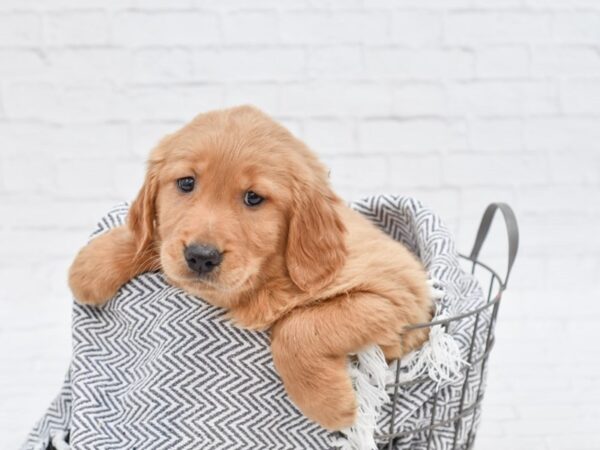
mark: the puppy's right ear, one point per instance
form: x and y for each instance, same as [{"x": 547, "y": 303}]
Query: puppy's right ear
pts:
[
  {"x": 316, "y": 248},
  {"x": 142, "y": 213}
]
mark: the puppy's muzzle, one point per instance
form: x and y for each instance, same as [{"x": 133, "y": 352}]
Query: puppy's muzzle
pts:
[{"x": 202, "y": 259}]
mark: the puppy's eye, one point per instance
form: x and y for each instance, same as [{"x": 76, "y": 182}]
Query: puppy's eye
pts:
[
  {"x": 251, "y": 198},
  {"x": 186, "y": 184}
]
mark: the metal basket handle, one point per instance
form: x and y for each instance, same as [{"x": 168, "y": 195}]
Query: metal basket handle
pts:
[{"x": 512, "y": 230}]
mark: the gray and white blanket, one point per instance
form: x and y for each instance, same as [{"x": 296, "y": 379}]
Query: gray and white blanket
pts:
[{"x": 158, "y": 369}]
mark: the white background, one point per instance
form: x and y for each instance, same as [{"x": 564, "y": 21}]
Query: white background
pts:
[{"x": 458, "y": 102}]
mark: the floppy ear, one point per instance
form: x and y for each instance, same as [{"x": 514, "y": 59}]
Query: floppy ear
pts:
[
  {"x": 142, "y": 212},
  {"x": 316, "y": 250}
]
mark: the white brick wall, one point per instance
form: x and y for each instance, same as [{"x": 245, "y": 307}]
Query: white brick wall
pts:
[{"x": 459, "y": 102}]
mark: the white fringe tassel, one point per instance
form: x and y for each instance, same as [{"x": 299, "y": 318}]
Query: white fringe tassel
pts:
[
  {"x": 368, "y": 373},
  {"x": 439, "y": 358}
]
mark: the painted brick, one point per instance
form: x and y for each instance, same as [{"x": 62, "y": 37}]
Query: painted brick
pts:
[
  {"x": 562, "y": 133},
  {"x": 20, "y": 29},
  {"x": 416, "y": 28},
  {"x": 129, "y": 178},
  {"x": 336, "y": 99},
  {"x": 493, "y": 27},
  {"x": 478, "y": 169},
  {"x": 76, "y": 28},
  {"x": 503, "y": 62},
  {"x": 357, "y": 171},
  {"x": 330, "y": 136},
  {"x": 242, "y": 5},
  {"x": 416, "y": 136},
  {"x": 561, "y": 5},
  {"x": 282, "y": 64},
  {"x": 553, "y": 200},
  {"x": 264, "y": 94},
  {"x": 337, "y": 63},
  {"x": 75, "y": 140},
  {"x": 38, "y": 213},
  {"x": 52, "y": 102},
  {"x": 493, "y": 98},
  {"x": 575, "y": 167},
  {"x": 66, "y": 5},
  {"x": 581, "y": 97},
  {"x": 87, "y": 65},
  {"x": 24, "y": 174},
  {"x": 565, "y": 61},
  {"x": 38, "y": 245},
  {"x": 174, "y": 103},
  {"x": 141, "y": 28},
  {"x": 428, "y": 64},
  {"x": 85, "y": 179},
  {"x": 415, "y": 171},
  {"x": 415, "y": 99},
  {"x": 413, "y": 4},
  {"x": 496, "y": 134},
  {"x": 251, "y": 27},
  {"x": 20, "y": 63},
  {"x": 162, "y": 65},
  {"x": 146, "y": 135},
  {"x": 456, "y": 102},
  {"x": 309, "y": 27},
  {"x": 577, "y": 27}
]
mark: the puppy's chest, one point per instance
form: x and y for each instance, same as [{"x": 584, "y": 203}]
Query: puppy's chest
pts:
[{"x": 260, "y": 310}]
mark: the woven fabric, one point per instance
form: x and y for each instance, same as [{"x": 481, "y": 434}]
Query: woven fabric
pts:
[{"x": 156, "y": 368}]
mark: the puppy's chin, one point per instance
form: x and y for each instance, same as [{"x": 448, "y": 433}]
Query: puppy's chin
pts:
[
  {"x": 209, "y": 292},
  {"x": 214, "y": 288}
]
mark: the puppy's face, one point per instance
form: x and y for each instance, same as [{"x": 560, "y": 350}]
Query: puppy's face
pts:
[{"x": 233, "y": 201}]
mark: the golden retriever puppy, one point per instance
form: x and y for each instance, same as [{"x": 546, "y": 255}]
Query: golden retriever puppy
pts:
[{"x": 237, "y": 211}]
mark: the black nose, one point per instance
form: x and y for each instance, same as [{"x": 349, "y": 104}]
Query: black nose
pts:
[{"x": 202, "y": 258}]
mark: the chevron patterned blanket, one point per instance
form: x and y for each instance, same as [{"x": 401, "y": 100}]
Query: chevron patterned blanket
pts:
[{"x": 158, "y": 369}]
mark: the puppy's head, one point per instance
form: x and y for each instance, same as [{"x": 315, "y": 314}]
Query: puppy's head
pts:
[{"x": 232, "y": 201}]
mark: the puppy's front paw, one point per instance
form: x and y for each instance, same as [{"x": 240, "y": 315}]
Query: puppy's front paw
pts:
[
  {"x": 101, "y": 268},
  {"x": 89, "y": 282},
  {"x": 87, "y": 291},
  {"x": 339, "y": 413}
]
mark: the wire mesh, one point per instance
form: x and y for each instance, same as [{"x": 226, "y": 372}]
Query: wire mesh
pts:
[{"x": 467, "y": 414}]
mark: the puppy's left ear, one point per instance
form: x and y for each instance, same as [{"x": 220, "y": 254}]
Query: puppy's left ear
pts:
[{"x": 316, "y": 248}]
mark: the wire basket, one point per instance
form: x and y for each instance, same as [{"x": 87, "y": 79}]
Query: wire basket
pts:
[{"x": 464, "y": 422}]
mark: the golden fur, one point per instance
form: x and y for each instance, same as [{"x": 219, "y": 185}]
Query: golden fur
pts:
[{"x": 320, "y": 276}]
